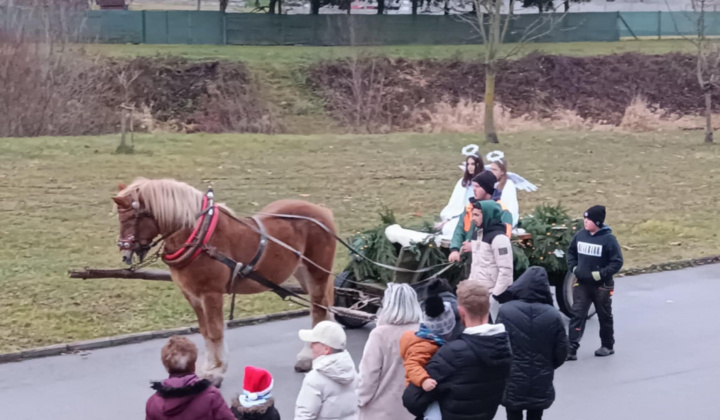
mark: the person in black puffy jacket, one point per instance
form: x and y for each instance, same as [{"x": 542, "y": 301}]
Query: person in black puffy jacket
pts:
[
  {"x": 539, "y": 345},
  {"x": 471, "y": 371}
]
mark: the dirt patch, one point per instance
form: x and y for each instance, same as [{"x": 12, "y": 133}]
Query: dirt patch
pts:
[{"x": 385, "y": 94}]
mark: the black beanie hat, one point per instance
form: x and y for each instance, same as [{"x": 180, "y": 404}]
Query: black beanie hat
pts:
[
  {"x": 487, "y": 180},
  {"x": 596, "y": 214},
  {"x": 434, "y": 306}
]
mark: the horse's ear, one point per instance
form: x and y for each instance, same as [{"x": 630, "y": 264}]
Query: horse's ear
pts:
[
  {"x": 123, "y": 202},
  {"x": 121, "y": 186}
]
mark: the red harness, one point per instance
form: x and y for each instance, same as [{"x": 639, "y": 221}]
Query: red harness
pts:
[{"x": 200, "y": 236}]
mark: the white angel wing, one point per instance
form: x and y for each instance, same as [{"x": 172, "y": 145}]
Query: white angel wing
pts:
[{"x": 522, "y": 183}]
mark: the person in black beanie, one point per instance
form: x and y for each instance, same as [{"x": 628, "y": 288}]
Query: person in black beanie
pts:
[
  {"x": 594, "y": 257},
  {"x": 440, "y": 288},
  {"x": 483, "y": 189}
]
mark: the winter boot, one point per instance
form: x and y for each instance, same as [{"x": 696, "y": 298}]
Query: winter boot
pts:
[
  {"x": 604, "y": 351},
  {"x": 572, "y": 354}
]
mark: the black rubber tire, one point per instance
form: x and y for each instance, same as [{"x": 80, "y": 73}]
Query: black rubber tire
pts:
[
  {"x": 564, "y": 296},
  {"x": 345, "y": 302},
  {"x": 563, "y": 302}
]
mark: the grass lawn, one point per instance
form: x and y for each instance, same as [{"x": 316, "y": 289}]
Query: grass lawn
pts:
[
  {"x": 56, "y": 211},
  {"x": 268, "y": 56}
]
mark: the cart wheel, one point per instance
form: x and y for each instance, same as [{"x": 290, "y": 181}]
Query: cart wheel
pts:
[
  {"x": 564, "y": 296},
  {"x": 346, "y": 302}
]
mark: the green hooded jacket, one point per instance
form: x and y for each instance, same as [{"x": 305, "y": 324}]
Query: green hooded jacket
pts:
[{"x": 462, "y": 235}]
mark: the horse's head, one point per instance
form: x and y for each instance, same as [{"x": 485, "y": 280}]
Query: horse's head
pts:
[{"x": 138, "y": 227}]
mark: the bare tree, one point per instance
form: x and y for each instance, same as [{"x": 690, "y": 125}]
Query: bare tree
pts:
[
  {"x": 493, "y": 27},
  {"x": 708, "y": 59},
  {"x": 126, "y": 77}
]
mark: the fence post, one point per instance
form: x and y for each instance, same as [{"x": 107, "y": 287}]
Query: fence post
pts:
[
  {"x": 659, "y": 24},
  {"x": 224, "y": 28},
  {"x": 144, "y": 31}
]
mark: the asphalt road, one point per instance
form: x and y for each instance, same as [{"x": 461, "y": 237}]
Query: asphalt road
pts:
[{"x": 666, "y": 365}]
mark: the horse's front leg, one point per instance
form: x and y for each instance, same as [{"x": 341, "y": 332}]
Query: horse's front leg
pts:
[{"x": 216, "y": 362}]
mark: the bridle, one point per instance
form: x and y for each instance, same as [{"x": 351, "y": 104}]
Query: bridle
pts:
[{"x": 129, "y": 243}]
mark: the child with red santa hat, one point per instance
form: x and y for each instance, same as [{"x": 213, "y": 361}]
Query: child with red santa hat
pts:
[{"x": 256, "y": 401}]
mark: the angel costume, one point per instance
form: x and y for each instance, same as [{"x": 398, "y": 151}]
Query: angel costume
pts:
[{"x": 461, "y": 195}]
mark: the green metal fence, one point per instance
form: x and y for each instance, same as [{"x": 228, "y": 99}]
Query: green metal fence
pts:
[
  {"x": 199, "y": 27},
  {"x": 245, "y": 29},
  {"x": 667, "y": 24}
]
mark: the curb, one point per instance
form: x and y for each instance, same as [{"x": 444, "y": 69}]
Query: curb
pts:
[
  {"x": 119, "y": 340},
  {"x": 670, "y": 266}
]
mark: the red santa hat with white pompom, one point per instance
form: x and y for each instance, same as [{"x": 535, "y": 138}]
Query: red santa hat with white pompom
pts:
[{"x": 257, "y": 385}]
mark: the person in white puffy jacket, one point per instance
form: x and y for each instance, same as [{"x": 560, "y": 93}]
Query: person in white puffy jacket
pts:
[{"x": 328, "y": 390}]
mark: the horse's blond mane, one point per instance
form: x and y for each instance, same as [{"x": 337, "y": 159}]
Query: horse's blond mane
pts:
[{"x": 174, "y": 204}]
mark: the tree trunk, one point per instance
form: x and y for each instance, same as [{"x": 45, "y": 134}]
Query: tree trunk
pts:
[
  {"x": 447, "y": 7},
  {"x": 381, "y": 7},
  {"x": 567, "y": 5},
  {"x": 314, "y": 7},
  {"x": 223, "y": 5},
  {"x": 199, "y": 6},
  {"x": 279, "y": 7},
  {"x": 490, "y": 132},
  {"x": 123, "y": 128},
  {"x": 414, "y": 7},
  {"x": 708, "y": 118},
  {"x": 271, "y": 7}
]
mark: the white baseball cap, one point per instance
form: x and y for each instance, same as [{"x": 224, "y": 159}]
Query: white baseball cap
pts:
[{"x": 328, "y": 333}]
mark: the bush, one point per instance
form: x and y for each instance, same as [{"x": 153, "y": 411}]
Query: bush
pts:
[{"x": 382, "y": 94}]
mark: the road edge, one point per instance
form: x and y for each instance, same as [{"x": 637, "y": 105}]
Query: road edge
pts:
[{"x": 119, "y": 340}]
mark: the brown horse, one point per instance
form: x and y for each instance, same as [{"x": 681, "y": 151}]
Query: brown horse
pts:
[{"x": 169, "y": 209}]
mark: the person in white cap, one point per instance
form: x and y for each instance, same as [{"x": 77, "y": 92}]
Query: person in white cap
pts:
[{"x": 328, "y": 390}]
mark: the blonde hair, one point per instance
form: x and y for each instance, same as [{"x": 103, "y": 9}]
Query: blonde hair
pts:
[
  {"x": 179, "y": 355},
  {"x": 474, "y": 297},
  {"x": 175, "y": 205},
  {"x": 502, "y": 164},
  {"x": 400, "y": 305}
]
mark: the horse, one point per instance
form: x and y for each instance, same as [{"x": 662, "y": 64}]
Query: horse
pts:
[{"x": 170, "y": 209}]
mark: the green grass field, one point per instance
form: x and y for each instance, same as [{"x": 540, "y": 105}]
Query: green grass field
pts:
[
  {"x": 57, "y": 214},
  {"x": 283, "y": 56}
]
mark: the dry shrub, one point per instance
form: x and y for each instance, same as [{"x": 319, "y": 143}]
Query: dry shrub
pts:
[
  {"x": 573, "y": 92},
  {"x": 469, "y": 117},
  {"x": 200, "y": 96},
  {"x": 356, "y": 92},
  {"x": 51, "y": 91},
  {"x": 639, "y": 116}
]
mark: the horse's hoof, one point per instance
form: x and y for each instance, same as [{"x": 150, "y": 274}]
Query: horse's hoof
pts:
[
  {"x": 303, "y": 366},
  {"x": 214, "y": 379}
]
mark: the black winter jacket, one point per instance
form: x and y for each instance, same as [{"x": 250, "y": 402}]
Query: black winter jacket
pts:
[
  {"x": 538, "y": 339},
  {"x": 599, "y": 252},
  {"x": 471, "y": 373}
]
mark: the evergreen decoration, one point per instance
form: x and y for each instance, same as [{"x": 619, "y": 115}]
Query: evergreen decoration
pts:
[
  {"x": 551, "y": 228},
  {"x": 552, "y": 231}
]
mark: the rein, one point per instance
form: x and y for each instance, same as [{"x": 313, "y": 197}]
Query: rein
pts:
[{"x": 205, "y": 226}]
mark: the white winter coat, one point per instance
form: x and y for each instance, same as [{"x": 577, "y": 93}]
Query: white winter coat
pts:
[{"x": 328, "y": 390}]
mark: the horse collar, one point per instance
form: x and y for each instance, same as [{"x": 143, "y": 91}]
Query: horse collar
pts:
[{"x": 200, "y": 236}]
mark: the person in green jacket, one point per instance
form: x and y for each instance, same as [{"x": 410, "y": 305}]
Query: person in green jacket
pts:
[{"x": 483, "y": 189}]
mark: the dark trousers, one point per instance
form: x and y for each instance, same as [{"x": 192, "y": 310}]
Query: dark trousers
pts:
[
  {"x": 585, "y": 295},
  {"x": 518, "y": 414}
]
